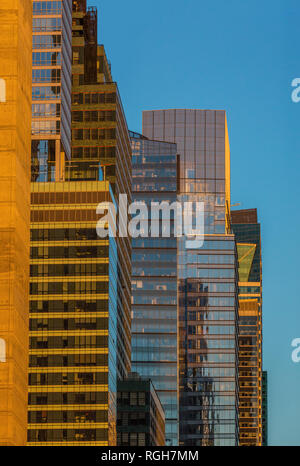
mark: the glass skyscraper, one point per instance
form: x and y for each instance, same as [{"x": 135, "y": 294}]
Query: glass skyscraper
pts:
[
  {"x": 80, "y": 309},
  {"x": 207, "y": 278},
  {"x": 101, "y": 145},
  {"x": 248, "y": 238},
  {"x": 51, "y": 89},
  {"x": 154, "y": 279}
]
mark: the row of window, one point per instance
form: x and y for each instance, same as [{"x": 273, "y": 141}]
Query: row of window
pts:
[
  {"x": 67, "y": 435},
  {"x": 211, "y": 358},
  {"x": 45, "y": 110},
  {"x": 202, "y": 343},
  {"x": 211, "y": 315},
  {"x": 46, "y": 76},
  {"x": 47, "y": 7},
  {"x": 98, "y": 153},
  {"x": 68, "y": 252},
  {"x": 189, "y": 258},
  {"x": 78, "y": 378},
  {"x": 45, "y": 92},
  {"x": 133, "y": 439},
  {"x": 94, "y": 98},
  {"x": 46, "y": 58},
  {"x": 83, "y": 341},
  {"x": 46, "y": 24},
  {"x": 209, "y": 372},
  {"x": 60, "y": 270},
  {"x": 194, "y": 272},
  {"x": 70, "y": 360},
  {"x": 45, "y": 127},
  {"x": 211, "y": 330},
  {"x": 207, "y": 301},
  {"x": 69, "y": 306},
  {"x": 39, "y": 417},
  {"x": 154, "y": 300},
  {"x": 94, "y": 116},
  {"x": 78, "y": 323},
  {"x": 46, "y": 41},
  {"x": 41, "y": 288},
  {"x": 93, "y": 134}
]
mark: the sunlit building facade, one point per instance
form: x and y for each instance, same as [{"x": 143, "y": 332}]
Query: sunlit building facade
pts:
[
  {"x": 248, "y": 237},
  {"x": 51, "y": 89},
  {"x": 73, "y": 317},
  {"x": 101, "y": 146},
  {"x": 80, "y": 283},
  {"x": 207, "y": 278},
  {"x": 154, "y": 279},
  {"x": 265, "y": 408},
  {"x": 15, "y": 121}
]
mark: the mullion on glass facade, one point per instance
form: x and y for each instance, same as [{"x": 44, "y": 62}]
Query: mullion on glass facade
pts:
[
  {"x": 154, "y": 280},
  {"x": 51, "y": 53},
  {"x": 208, "y": 345},
  {"x": 73, "y": 319},
  {"x": 247, "y": 233}
]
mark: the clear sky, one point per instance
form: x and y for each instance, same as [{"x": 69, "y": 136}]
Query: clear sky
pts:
[{"x": 241, "y": 56}]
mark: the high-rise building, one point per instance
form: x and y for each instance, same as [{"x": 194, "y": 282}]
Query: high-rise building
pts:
[
  {"x": 73, "y": 317},
  {"x": 15, "y": 122},
  {"x": 100, "y": 138},
  {"x": 207, "y": 278},
  {"x": 51, "y": 89},
  {"x": 247, "y": 233},
  {"x": 154, "y": 279},
  {"x": 80, "y": 283},
  {"x": 141, "y": 418},
  {"x": 265, "y": 408}
]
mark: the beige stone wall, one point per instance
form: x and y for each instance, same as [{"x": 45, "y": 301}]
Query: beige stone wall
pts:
[{"x": 15, "y": 129}]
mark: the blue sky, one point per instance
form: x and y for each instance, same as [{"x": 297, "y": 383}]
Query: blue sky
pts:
[{"x": 240, "y": 56}]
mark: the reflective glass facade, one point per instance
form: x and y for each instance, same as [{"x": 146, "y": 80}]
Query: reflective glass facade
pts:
[
  {"x": 15, "y": 120},
  {"x": 248, "y": 238},
  {"x": 80, "y": 284},
  {"x": 73, "y": 318},
  {"x": 154, "y": 280},
  {"x": 51, "y": 89},
  {"x": 101, "y": 146},
  {"x": 207, "y": 278}
]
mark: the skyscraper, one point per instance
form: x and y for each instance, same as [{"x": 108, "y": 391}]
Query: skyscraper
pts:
[
  {"x": 51, "y": 89},
  {"x": 15, "y": 121},
  {"x": 73, "y": 317},
  {"x": 265, "y": 408},
  {"x": 154, "y": 279},
  {"x": 248, "y": 238},
  {"x": 207, "y": 278},
  {"x": 141, "y": 418},
  {"x": 80, "y": 283},
  {"x": 100, "y": 138}
]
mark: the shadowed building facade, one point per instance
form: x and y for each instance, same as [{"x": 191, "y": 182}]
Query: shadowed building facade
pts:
[
  {"x": 247, "y": 233},
  {"x": 15, "y": 122},
  {"x": 141, "y": 418},
  {"x": 207, "y": 278},
  {"x": 154, "y": 279}
]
